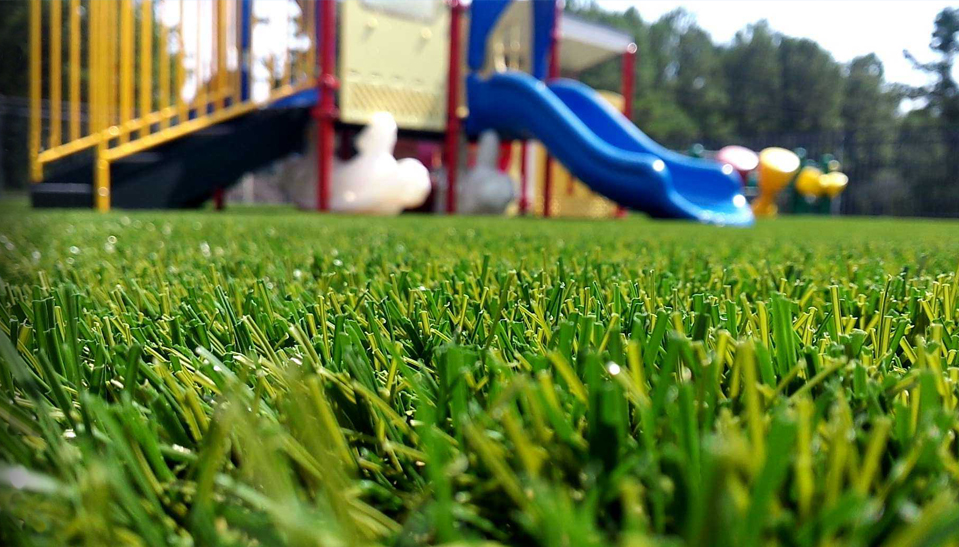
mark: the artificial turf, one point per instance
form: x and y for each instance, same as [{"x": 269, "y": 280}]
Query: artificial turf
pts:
[{"x": 264, "y": 377}]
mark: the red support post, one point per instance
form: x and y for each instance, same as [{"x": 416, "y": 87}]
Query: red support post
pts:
[
  {"x": 219, "y": 199},
  {"x": 628, "y": 79},
  {"x": 523, "y": 180},
  {"x": 553, "y": 72},
  {"x": 629, "y": 75},
  {"x": 325, "y": 112},
  {"x": 452, "y": 104},
  {"x": 505, "y": 156}
]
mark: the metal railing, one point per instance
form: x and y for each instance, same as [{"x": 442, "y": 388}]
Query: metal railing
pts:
[{"x": 135, "y": 74}]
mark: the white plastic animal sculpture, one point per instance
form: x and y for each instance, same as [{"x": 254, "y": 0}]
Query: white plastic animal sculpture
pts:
[
  {"x": 485, "y": 189},
  {"x": 373, "y": 181}
]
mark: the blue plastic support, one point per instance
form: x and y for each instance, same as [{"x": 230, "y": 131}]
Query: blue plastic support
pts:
[
  {"x": 605, "y": 150},
  {"x": 483, "y": 17},
  {"x": 544, "y": 18},
  {"x": 246, "y": 13}
]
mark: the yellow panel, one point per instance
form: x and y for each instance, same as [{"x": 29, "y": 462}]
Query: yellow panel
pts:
[{"x": 395, "y": 62}]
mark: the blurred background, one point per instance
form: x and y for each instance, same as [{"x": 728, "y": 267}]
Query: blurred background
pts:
[{"x": 871, "y": 83}]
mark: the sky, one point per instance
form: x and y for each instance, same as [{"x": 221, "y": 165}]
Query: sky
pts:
[{"x": 847, "y": 28}]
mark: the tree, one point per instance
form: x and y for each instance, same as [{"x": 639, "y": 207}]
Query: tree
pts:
[
  {"x": 700, "y": 87},
  {"x": 812, "y": 87},
  {"x": 754, "y": 80},
  {"x": 942, "y": 107},
  {"x": 943, "y": 95},
  {"x": 866, "y": 101}
]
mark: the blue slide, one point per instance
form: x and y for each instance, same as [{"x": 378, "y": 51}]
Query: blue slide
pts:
[{"x": 602, "y": 148}]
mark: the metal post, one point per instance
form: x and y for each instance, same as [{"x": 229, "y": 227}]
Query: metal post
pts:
[
  {"x": 629, "y": 66},
  {"x": 552, "y": 73},
  {"x": 325, "y": 113},
  {"x": 628, "y": 79},
  {"x": 246, "y": 59},
  {"x": 523, "y": 180},
  {"x": 505, "y": 155},
  {"x": 452, "y": 103}
]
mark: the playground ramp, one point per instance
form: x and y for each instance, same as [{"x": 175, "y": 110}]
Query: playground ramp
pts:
[
  {"x": 184, "y": 172},
  {"x": 604, "y": 149}
]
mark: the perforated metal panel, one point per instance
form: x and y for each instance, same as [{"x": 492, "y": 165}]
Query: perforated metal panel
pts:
[{"x": 395, "y": 62}]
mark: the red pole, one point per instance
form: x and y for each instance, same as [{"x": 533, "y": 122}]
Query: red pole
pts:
[
  {"x": 553, "y": 72},
  {"x": 523, "y": 180},
  {"x": 219, "y": 199},
  {"x": 629, "y": 74},
  {"x": 325, "y": 112},
  {"x": 505, "y": 156},
  {"x": 452, "y": 103}
]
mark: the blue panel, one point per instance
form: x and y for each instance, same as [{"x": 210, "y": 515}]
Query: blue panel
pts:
[
  {"x": 603, "y": 149},
  {"x": 301, "y": 99},
  {"x": 246, "y": 12},
  {"x": 483, "y": 17},
  {"x": 544, "y": 18}
]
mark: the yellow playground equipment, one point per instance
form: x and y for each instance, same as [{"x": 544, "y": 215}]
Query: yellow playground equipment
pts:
[
  {"x": 777, "y": 166},
  {"x": 808, "y": 181},
  {"x": 409, "y": 77},
  {"x": 408, "y": 74},
  {"x": 118, "y": 87},
  {"x": 833, "y": 184},
  {"x": 139, "y": 74}
]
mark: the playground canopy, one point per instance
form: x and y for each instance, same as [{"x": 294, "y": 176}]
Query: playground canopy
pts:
[{"x": 584, "y": 44}]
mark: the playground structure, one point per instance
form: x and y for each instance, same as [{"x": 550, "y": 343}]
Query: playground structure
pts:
[
  {"x": 154, "y": 90},
  {"x": 182, "y": 97},
  {"x": 814, "y": 185}
]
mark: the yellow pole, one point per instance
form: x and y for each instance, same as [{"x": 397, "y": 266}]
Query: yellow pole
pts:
[
  {"x": 180, "y": 78},
  {"x": 74, "y": 70},
  {"x": 287, "y": 60},
  {"x": 164, "y": 70},
  {"x": 311, "y": 34},
  {"x": 100, "y": 78},
  {"x": 93, "y": 62},
  {"x": 106, "y": 65},
  {"x": 221, "y": 79},
  {"x": 200, "y": 84},
  {"x": 56, "y": 66},
  {"x": 126, "y": 67},
  {"x": 36, "y": 170},
  {"x": 110, "y": 70},
  {"x": 303, "y": 27},
  {"x": 146, "y": 61},
  {"x": 102, "y": 183}
]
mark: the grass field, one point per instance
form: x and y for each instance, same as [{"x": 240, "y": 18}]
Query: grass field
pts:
[{"x": 264, "y": 377}]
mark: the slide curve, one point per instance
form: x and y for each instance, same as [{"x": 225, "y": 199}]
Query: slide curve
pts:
[{"x": 598, "y": 145}]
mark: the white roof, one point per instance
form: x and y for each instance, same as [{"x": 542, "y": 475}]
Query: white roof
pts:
[{"x": 585, "y": 44}]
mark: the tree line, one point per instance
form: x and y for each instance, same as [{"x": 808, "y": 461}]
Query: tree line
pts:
[
  {"x": 689, "y": 88},
  {"x": 765, "y": 88}
]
